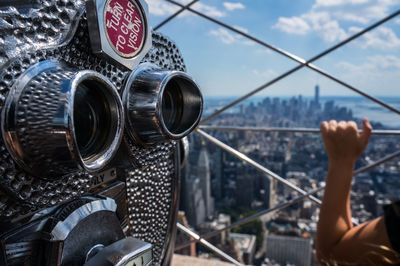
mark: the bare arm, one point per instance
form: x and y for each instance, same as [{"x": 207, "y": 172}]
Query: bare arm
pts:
[{"x": 338, "y": 241}]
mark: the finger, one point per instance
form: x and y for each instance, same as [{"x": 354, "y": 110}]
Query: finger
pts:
[
  {"x": 332, "y": 125},
  {"x": 342, "y": 124},
  {"x": 341, "y": 127},
  {"x": 324, "y": 127},
  {"x": 352, "y": 126},
  {"x": 367, "y": 130}
]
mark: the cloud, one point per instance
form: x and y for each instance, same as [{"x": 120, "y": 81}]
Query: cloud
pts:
[
  {"x": 381, "y": 38},
  {"x": 326, "y": 27},
  {"x": 229, "y": 37},
  {"x": 163, "y": 8},
  {"x": 351, "y": 17},
  {"x": 385, "y": 61},
  {"x": 294, "y": 25},
  {"x": 231, "y": 6},
  {"x": 378, "y": 74},
  {"x": 327, "y": 19},
  {"x": 330, "y": 3},
  {"x": 224, "y": 35},
  {"x": 369, "y": 11},
  {"x": 208, "y": 10},
  {"x": 320, "y": 22},
  {"x": 374, "y": 67},
  {"x": 265, "y": 74}
]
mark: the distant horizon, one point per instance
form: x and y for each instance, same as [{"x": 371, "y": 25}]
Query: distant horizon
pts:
[
  {"x": 290, "y": 96},
  {"x": 360, "y": 106}
]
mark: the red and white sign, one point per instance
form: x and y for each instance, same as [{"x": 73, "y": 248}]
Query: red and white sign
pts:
[{"x": 124, "y": 26}]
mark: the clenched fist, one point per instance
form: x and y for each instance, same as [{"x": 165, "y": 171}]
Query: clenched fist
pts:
[{"x": 343, "y": 142}]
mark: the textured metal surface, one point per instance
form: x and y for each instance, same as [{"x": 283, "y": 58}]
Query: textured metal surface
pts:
[
  {"x": 150, "y": 184},
  {"x": 150, "y": 221},
  {"x": 44, "y": 24}
]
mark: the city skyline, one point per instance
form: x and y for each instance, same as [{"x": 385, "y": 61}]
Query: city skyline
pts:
[
  {"x": 238, "y": 190},
  {"x": 227, "y": 66},
  {"x": 362, "y": 107},
  {"x": 304, "y": 28}
]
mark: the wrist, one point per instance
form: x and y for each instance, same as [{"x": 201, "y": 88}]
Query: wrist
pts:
[
  {"x": 340, "y": 172},
  {"x": 343, "y": 163}
]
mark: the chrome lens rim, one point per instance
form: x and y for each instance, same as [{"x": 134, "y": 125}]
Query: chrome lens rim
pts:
[
  {"x": 187, "y": 102},
  {"x": 61, "y": 154},
  {"x": 95, "y": 161},
  {"x": 144, "y": 92}
]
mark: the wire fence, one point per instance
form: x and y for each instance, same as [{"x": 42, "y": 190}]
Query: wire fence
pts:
[{"x": 302, "y": 63}]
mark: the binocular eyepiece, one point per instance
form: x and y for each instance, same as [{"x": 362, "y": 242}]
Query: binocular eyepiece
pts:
[
  {"x": 160, "y": 105},
  {"x": 57, "y": 120},
  {"x": 92, "y": 133}
]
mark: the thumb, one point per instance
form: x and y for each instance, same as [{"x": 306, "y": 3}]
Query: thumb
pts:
[{"x": 367, "y": 130}]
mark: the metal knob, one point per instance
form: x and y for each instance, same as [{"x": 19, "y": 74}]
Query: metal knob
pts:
[{"x": 125, "y": 252}]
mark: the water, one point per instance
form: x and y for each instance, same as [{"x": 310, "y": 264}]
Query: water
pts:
[{"x": 360, "y": 106}]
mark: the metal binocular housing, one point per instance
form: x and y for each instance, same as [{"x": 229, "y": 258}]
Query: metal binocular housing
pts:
[{"x": 95, "y": 107}]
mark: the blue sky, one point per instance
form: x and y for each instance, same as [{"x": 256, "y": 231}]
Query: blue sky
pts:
[{"x": 224, "y": 63}]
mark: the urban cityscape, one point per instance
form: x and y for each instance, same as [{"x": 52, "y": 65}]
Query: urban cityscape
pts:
[{"x": 218, "y": 189}]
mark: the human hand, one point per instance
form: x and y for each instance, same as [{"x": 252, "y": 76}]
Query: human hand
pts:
[{"x": 343, "y": 143}]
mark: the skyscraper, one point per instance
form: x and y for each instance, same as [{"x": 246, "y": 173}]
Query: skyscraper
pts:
[
  {"x": 204, "y": 173},
  {"x": 216, "y": 170},
  {"x": 192, "y": 201},
  {"x": 289, "y": 250},
  {"x": 316, "y": 95}
]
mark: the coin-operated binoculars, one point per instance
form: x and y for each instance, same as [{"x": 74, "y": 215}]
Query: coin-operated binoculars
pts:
[{"x": 93, "y": 108}]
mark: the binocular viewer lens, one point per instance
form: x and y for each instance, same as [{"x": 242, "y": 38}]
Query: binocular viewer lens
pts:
[
  {"x": 181, "y": 104},
  {"x": 92, "y": 119},
  {"x": 160, "y": 105},
  {"x": 171, "y": 106},
  {"x": 58, "y": 120}
]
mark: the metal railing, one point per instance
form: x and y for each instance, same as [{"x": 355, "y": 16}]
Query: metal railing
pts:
[
  {"x": 206, "y": 244},
  {"x": 286, "y": 204},
  {"x": 256, "y": 165},
  {"x": 290, "y": 130},
  {"x": 302, "y": 63}
]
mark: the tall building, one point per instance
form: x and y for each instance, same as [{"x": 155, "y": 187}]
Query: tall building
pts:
[
  {"x": 245, "y": 187},
  {"x": 192, "y": 200},
  {"x": 196, "y": 200},
  {"x": 289, "y": 250},
  {"x": 204, "y": 173},
  {"x": 217, "y": 180},
  {"x": 316, "y": 95}
]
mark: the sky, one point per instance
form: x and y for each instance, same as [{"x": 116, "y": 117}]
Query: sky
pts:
[{"x": 226, "y": 64}]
